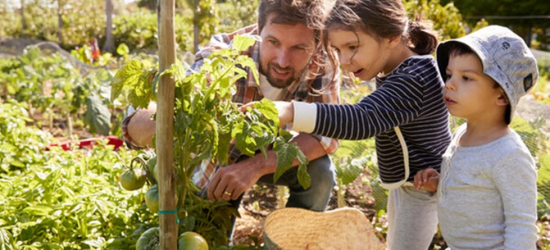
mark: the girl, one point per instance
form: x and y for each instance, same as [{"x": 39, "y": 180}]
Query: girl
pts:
[{"x": 375, "y": 39}]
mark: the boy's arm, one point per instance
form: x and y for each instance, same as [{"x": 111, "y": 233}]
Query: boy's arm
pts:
[{"x": 516, "y": 179}]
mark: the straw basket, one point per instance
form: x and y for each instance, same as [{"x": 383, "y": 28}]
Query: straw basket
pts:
[{"x": 297, "y": 229}]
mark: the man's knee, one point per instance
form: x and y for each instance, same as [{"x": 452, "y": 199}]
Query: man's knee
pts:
[{"x": 322, "y": 170}]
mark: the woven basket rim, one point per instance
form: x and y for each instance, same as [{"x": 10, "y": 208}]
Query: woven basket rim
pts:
[{"x": 298, "y": 228}]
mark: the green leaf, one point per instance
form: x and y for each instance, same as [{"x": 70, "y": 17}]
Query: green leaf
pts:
[
  {"x": 243, "y": 141},
  {"x": 242, "y": 43},
  {"x": 285, "y": 156},
  {"x": 122, "y": 49},
  {"x": 245, "y": 61},
  {"x": 127, "y": 75},
  {"x": 349, "y": 171},
  {"x": 303, "y": 176},
  {"x": 98, "y": 116},
  {"x": 38, "y": 210},
  {"x": 269, "y": 111}
]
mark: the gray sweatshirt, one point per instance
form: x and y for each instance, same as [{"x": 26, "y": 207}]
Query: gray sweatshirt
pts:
[{"x": 487, "y": 195}]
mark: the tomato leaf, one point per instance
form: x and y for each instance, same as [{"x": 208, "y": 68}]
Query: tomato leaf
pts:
[
  {"x": 98, "y": 116},
  {"x": 127, "y": 75}
]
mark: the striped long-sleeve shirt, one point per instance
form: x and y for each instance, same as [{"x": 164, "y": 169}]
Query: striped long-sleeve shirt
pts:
[{"x": 409, "y": 97}]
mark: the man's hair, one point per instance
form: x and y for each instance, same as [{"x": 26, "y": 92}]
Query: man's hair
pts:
[
  {"x": 460, "y": 49},
  {"x": 311, "y": 13}
]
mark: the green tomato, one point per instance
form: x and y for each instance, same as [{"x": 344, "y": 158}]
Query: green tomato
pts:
[
  {"x": 149, "y": 240},
  {"x": 151, "y": 163},
  {"x": 133, "y": 179},
  {"x": 152, "y": 199},
  {"x": 156, "y": 172},
  {"x": 192, "y": 241}
]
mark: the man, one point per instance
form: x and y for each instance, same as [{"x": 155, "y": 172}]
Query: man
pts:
[{"x": 289, "y": 60}]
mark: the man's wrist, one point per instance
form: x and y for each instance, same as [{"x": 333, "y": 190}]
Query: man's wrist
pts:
[{"x": 265, "y": 165}]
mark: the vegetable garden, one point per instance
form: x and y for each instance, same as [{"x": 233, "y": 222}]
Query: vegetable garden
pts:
[{"x": 105, "y": 196}]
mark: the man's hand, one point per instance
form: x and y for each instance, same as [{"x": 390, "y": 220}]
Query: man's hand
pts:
[
  {"x": 427, "y": 179},
  {"x": 231, "y": 181},
  {"x": 285, "y": 109}
]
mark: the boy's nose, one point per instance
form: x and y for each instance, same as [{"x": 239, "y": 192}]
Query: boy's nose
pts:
[{"x": 449, "y": 82}]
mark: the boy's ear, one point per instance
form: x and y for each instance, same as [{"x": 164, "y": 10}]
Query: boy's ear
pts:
[{"x": 502, "y": 100}]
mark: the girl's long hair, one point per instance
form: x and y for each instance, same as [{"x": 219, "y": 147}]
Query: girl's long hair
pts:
[{"x": 381, "y": 19}]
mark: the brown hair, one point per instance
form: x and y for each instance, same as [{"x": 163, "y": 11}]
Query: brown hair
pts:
[
  {"x": 308, "y": 12},
  {"x": 383, "y": 19}
]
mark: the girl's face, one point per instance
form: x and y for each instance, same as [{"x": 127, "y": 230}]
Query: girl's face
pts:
[{"x": 360, "y": 53}]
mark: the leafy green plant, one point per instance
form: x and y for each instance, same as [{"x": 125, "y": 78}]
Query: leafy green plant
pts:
[
  {"x": 52, "y": 85},
  {"x": 63, "y": 199},
  {"x": 206, "y": 122},
  {"x": 19, "y": 145}
]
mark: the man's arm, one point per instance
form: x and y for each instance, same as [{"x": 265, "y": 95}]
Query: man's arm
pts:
[{"x": 236, "y": 178}]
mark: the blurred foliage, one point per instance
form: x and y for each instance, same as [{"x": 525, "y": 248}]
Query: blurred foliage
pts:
[
  {"x": 446, "y": 19},
  {"x": 237, "y": 13},
  {"x": 139, "y": 32},
  {"x": 520, "y": 16},
  {"x": 80, "y": 21}
]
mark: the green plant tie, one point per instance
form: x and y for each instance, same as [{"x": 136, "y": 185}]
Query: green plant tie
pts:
[{"x": 170, "y": 212}]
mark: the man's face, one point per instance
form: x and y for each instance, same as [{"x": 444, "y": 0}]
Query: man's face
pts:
[{"x": 285, "y": 51}]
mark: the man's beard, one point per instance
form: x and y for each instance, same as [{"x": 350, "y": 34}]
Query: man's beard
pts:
[{"x": 277, "y": 83}]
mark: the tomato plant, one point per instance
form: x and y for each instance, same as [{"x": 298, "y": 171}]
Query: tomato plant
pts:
[{"x": 206, "y": 122}]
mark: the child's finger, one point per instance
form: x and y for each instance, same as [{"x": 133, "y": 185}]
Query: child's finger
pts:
[{"x": 417, "y": 183}]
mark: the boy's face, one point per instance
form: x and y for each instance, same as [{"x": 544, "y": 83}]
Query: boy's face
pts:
[
  {"x": 285, "y": 51},
  {"x": 469, "y": 93}
]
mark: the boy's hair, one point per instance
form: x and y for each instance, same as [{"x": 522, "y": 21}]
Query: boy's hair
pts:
[
  {"x": 504, "y": 57},
  {"x": 460, "y": 49},
  {"x": 311, "y": 13},
  {"x": 382, "y": 19}
]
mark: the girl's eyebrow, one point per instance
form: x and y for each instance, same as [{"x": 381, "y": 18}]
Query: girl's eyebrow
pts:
[
  {"x": 350, "y": 43},
  {"x": 346, "y": 44}
]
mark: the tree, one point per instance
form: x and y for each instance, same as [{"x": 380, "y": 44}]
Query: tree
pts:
[
  {"x": 109, "y": 39},
  {"x": 523, "y": 17},
  {"x": 23, "y": 23}
]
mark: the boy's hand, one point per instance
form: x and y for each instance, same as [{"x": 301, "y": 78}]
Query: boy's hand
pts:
[
  {"x": 285, "y": 109},
  {"x": 427, "y": 179}
]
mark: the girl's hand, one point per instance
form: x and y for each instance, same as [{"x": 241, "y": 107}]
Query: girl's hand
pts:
[
  {"x": 427, "y": 179},
  {"x": 285, "y": 109}
]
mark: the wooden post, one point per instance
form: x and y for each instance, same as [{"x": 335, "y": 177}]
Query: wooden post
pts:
[{"x": 165, "y": 127}]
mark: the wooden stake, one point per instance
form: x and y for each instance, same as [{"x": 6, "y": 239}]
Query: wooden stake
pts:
[{"x": 165, "y": 127}]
